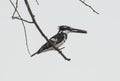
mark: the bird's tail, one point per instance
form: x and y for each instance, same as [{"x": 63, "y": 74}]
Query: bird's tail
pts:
[{"x": 35, "y": 53}]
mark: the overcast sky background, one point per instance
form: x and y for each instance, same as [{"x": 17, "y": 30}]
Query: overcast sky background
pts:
[{"x": 95, "y": 56}]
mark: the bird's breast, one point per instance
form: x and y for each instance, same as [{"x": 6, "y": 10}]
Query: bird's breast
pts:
[{"x": 62, "y": 41}]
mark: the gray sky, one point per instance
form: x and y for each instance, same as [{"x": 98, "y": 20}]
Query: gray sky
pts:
[{"x": 95, "y": 56}]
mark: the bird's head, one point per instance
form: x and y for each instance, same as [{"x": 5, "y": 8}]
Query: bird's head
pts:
[{"x": 67, "y": 29}]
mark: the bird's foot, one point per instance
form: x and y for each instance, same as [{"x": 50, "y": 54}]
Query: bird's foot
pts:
[
  {"x": 68, "y": 59},
  {"x": 61, "y": 48}
]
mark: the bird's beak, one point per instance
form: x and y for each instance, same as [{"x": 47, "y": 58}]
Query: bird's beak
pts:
[{"x": 77, "y": 30}]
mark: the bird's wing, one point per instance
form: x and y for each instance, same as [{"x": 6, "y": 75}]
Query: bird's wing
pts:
[
  {"x": 57, "y": 38},
  {"x": 48, "y": 45},
  {"x": 54, "y": 40}
]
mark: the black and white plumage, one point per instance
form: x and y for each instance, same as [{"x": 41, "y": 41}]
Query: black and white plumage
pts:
[{"x": 58, "y": 39}]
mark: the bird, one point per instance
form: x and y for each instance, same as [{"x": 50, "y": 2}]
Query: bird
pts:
[{"x": 59, "y": 39}]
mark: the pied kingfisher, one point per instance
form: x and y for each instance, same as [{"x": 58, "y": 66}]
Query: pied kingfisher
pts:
[{"x": 58, "y": 39}]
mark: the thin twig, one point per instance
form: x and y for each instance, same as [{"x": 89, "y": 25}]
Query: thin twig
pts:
[
  {"x": 61, "y": 48},
  {"x": 37, "y": 2},
  {"x": 15, "y": 7},
  {"x": 22, "y": 24},
  {"x": 21, "y": 19},
  {"x": 89, "y": 6},
  {"x": 37, "y": 26}
]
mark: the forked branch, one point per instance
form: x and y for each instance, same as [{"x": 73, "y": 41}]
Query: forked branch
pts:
[
  {"x": 19, "y": 16},
  {"x": 37, "y": 26}
]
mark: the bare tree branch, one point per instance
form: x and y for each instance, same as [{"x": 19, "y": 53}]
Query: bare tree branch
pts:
[
  {"x": 37, "y": 2},
  {"x": 37, "y": 26},
  {"x": 89, "y": 6},
  {"x": 15, "y": 7},
  {"x": 21, "y": 19}
]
